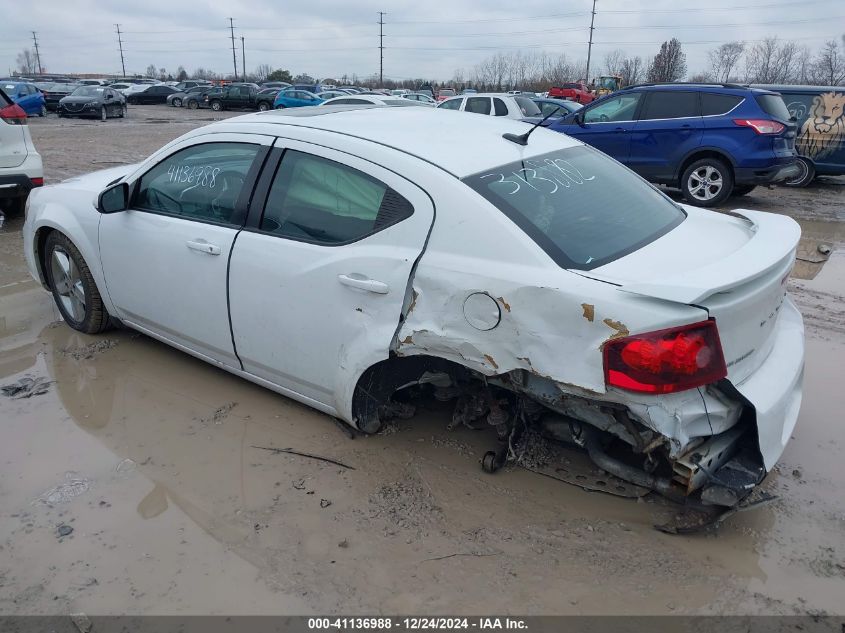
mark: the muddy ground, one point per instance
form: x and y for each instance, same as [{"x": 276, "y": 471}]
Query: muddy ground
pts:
[{"x": 135, "y": 483}]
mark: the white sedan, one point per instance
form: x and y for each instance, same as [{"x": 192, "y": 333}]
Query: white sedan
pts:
[
  {"x": 340, "y": 257},
  {"x": 512, "y": 106},
  {"x": 375, "y": 100}
]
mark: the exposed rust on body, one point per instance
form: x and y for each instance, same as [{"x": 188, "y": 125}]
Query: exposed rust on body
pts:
[
  {"x": 413, "y": 303},
  {"x": 491, "y": 361},
  {"x": 621, "y": 329},
  {"x": 408, "y": 340},
  {"x": 505, "y": 304},
  {"x": 589, "y": 311}
]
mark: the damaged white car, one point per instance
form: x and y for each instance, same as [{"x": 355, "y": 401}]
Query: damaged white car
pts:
[{"x": 340, "y": 257}]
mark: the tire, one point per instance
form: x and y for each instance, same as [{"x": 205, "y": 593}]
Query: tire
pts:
[
  {"x": 73, "y": 286},
  {"x": 263, "y": 106},
  {"x": 104, "y": 114},
  {"x": 808, "y": 173},
  {"x": 122, "y": 114},
  {"x": 177, "y": 103},
  {"x": 280, "y": 107},
  {"x": 193, "y": 105},
  {"x": 743, "y": 190},
  {"x": 707, "y": 182},
  {"x": 216, "y": 106},
  {"x": 132, "y": 101},
  {"x": 43, "y": 111}
]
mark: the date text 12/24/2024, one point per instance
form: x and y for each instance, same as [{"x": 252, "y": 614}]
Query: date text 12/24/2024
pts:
[{"x": 417, "y": 624}]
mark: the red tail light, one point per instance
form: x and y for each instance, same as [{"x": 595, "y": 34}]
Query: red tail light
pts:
[
  {"x": 666, "y": 361},
  {"x": 37, "y": 182},
  {"x": 13, "y": 114},
  {"x": 761, "y": 126}
]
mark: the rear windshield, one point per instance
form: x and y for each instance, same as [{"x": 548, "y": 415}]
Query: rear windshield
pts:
[
  {"x": 527, "y": 107},
  {"x": 581, "y": 207},
  {"x": 774, "y": 106}
]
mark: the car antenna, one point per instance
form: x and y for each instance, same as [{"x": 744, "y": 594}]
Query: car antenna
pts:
[{"x": 522, "y": 139}]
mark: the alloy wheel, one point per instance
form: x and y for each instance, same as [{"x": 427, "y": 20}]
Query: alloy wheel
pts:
[
  {"x": 705, "y": 183},
  {"x": 68, "y": 284}
]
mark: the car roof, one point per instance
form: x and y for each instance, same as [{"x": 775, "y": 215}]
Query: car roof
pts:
[
  {"x": 736, "y": 89},
  {"x": 459, "y": 143},
  {"x": 792, "y": 88}
]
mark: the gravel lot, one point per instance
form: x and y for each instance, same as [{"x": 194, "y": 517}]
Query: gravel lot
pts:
[{"x": 134, "y": 485}]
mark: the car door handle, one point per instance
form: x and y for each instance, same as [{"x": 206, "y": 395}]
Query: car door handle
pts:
[
  {"x": 203, "y": 247},
  {"x": 620, "y": 129},
  {"x": 356, "y": 280}
]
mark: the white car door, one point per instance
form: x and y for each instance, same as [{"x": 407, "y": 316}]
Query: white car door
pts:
[
  {"x": 317, "y": 282},
  {"x": 165, "y": 258}
]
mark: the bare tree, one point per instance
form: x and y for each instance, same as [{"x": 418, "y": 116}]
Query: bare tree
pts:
[
  {"x": 829, "y": 65},
  {"x": 670, "y": 63},
  {"x": 262, "y": 71},
  {"x": 162, "y": 74},
  {"x": 27, "y": 62},
  {"x": 772, "y": 62},
  {"x": 632, "y": 71},
  {"x": 181, "y": 74},
  {"x": 724, "y": 60},
  {"x": 701, "y": 78},
  {"x": 151, "y": 71},
  {"x": 613, "y": 62}
]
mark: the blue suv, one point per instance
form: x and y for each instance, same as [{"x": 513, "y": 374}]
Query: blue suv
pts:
[{"x": 709, "y": 140}]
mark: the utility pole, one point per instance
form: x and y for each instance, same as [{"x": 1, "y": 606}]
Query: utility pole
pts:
[
  {"x": 37, "y": 54},
  {"x": 381, "y": 48},
  {"x": 234, "y": 59},
  {"x": 243, "y": 57},
  {"x": 120, "y": 44},
  {"x": 590, "y": 45}
]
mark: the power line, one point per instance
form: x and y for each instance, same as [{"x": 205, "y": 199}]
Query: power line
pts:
[
  {"x": 120, "y": 44},
  {"x": 381, "y": 47},
  {"x": 37, "y": 54},
  {"x": 234, "y": 59}
]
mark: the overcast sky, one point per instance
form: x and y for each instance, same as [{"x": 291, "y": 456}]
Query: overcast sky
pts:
[{"x": 327, "y": 38}]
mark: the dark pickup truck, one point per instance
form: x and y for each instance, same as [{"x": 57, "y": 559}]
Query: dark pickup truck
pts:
[{"x": 239, "y": 97}]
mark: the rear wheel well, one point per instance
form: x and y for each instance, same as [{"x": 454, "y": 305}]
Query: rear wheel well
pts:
[
  {"x": 378, "y": 383},
  {"x": 704, "y": 154}
]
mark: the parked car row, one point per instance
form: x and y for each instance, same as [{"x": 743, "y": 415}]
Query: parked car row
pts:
[{"x": 711, "y": 141}]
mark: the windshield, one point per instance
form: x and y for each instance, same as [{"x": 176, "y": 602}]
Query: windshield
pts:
[
  {"x": 581, "y": 207},
  {"x": 447, "y": 92},
  {"x": 88, "y": 91}
]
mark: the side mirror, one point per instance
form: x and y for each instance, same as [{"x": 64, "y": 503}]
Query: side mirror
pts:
[
  {"x": 579, "y": 118},
  {"x": 109, "y": 97},
  {"x": 21, "y": 94},
  {"x": 114, "y": 199}
]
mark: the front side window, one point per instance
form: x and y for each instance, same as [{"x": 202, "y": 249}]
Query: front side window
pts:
[
  {"x": 201, "y": 182},
  {"x": 666, "y": 104},
  {"x": 314, "y": 199},
  {"x": 451, "y": 104},
  {"x": 618, "y": 108},
  {"x": 581, "y": 207},
  {"x": 478, "y": 105}
]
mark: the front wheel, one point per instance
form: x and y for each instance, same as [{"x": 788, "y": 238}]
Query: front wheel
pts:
[
  {"x": 216, "y": 106},
  {"x": 707, "y": 182},
  {"x": 104, "y": 114},
  {"x": 73, "y": 286},
  {"x": 805, "y": 175},
  {"x": 193, "y": 105},
  {"x": 43, "y": 111},
  {"x": 177, "y": 103},
  {"x": 263, "y": 106}
]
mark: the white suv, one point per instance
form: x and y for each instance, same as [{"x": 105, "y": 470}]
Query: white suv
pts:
[
  {"x": 494, "y": 104},
  {"x": 20, "y": 164}
]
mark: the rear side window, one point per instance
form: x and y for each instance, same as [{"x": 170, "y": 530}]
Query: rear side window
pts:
[
  {"x": 774, "y": 106},
  {"x": 581, "y": 207},
  {"x": 451, "y": 104},
  {"x": 527, "y": 107},
  {"x": 314, "y": 199},
  {"x": 665, "y": 104},
  {"x": 500, "y": 108},
  {"x": 713, "y": 104},
  {"x": 478, "y": 105}
]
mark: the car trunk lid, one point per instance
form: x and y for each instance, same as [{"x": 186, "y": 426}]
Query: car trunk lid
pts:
[{"x": 734, "y": 266}]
